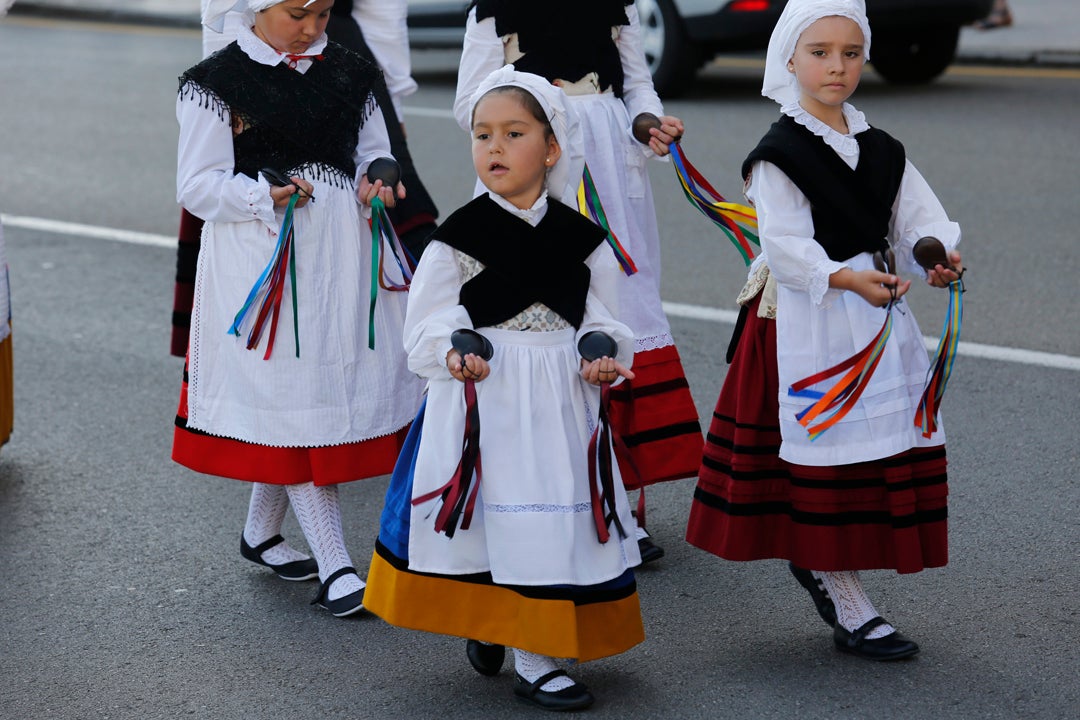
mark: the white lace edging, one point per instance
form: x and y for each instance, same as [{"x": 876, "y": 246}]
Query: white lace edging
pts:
[
  {"x": 818, "y": 287},
  {"x": 841, "y": 143},
  {"x": 653, "y": 342},
  {"x": 539, "y": 508}
]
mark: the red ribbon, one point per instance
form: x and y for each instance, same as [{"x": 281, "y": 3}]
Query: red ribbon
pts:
[
  {"x": 605, "y": 442},
  {"x": 459, "y": 494}
]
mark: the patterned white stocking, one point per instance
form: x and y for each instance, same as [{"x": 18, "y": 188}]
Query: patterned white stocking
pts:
[
  {"x": 319, "y": 515},
  {"x": 532, "y": 666},
  {"x": 853, "y": 607},
  {"x": 266, "y": 513}
]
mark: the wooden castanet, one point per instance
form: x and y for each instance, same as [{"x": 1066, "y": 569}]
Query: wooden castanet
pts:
[
  {"x": 641, "y": 126},
  {"x": 385, "y": 169},
  {"x": 595, "y": 344},
  {"x": 470, "y": 342}
]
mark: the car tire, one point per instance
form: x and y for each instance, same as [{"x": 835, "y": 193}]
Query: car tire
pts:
[
  {"x": 672, "y": 57},
  {"x": 914, "y": 55}
]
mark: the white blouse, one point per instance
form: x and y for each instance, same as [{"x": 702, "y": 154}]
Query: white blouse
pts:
[{"x": 819, "y": 326}]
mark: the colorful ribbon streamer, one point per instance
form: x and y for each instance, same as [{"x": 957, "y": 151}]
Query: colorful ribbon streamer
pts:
[
  {"x": 269, "y": 288},
  {"x": 459, "y": 494},
  {"x": 739, "y": 222},
  {"x": 605, "y": 442},
  {"x": 842, "y": 396},
  {"x": 590, "y": 206},
  {"x": 383, "y": 230},
  {"x": 941, "y": 368}
]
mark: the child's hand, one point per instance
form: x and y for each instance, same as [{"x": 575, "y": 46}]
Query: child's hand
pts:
[
  {"x": 471, "y": 367},
  {"x": 281, "y": 195},
  {"x": 604, "y": 370},
  {"x": 367, "y": 192},
  {"x": 671, "y": 130},
  {"x": 873, "y": 286},
  {"x": 941, "y": 276}
]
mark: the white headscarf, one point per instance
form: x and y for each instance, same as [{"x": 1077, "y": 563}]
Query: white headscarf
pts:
[
  {"x": 214, "y": 11},
  {"x": 780, "y": 83},
  {"x": 564, "y": 177}
]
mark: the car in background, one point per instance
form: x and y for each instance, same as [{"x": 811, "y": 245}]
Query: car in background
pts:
[{"x": 914, "y": 40}]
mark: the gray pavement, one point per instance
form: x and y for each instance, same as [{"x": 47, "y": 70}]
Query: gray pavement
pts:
[{"x": 1045, "y": 32}]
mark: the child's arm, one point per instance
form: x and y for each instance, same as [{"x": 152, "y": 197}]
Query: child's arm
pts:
[
  {"x": 206, "y": 183},
  {"x": 639, "y": 95},
  {"x": 481, "y": 54},
  {"x": 918, "y": 213},
  {"x": 434, "y": 313},
  {"x": 373, "y": 142},
  {"x": 383, "y": 24},
  {"x": 601, "y": 310}
]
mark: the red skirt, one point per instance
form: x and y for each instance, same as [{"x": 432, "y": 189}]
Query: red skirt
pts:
[
  {"x": 657, "y": 418},
  {"x": 187, "y": 258},
  {"x": 239, "y": 460},
  {"x": 751, "y": 505}
]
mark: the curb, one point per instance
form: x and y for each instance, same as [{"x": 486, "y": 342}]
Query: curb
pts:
[{"x": 129, "y": 17}]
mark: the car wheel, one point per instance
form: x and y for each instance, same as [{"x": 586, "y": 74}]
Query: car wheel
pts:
[
  {"x": 673, "y": 59},
  {"x": 913, "y": 55}
]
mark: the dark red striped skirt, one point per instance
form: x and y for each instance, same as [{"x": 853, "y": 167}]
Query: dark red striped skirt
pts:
[
  {"x": 239, "y": 460},
  {"x": 751, "y": 505},
  {"x": 187, "y": 258},
  {"x": 657, "y": 418}
]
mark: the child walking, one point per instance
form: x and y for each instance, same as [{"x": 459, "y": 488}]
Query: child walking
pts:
[
  {"x": 527, "y": 567},
  {"x": 593, "y": 52},
  {"x": 295, "y": 416},
  {"x": 830, "y": 192}
]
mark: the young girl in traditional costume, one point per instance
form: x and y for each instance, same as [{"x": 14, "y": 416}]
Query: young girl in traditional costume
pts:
[
  {"x": 830, "y": 192},
  {"x": 315, "y": 405},
  {"x": 592, "y": 50},
  {"x": 537, "y": 564}
]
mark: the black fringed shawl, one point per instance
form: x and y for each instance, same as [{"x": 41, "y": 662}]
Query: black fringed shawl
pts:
[
  {"x": 565, "y": 39},
  {"x": 851, "y": 208},
  {"x": 290, "y": 121},
  {"x": 522, "y": 264}
]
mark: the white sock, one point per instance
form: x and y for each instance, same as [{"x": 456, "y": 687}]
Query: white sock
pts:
[
  {"x": 532, "y": 666},
  {"x": 317, "y": 511},
  {"x": 853, "y": 607},
  {"x": 266, "y": 513}
]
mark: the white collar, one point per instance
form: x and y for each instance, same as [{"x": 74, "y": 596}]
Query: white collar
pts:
[
  {"x": 254, "y": 47},
  {"x": 533, "y": 215},
  {"x": 845, "y": 144}
]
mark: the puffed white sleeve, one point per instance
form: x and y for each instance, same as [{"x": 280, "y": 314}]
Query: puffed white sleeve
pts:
[
  {"x": 639, "y": 95},
  {"x": 481, "y": 55},
  {"x": 786, "y": 229},
  {"x": 433, "y": 311},
  {"x": 206, "y": 183},
  {"x": 372, "y": 142},
  {"x": 385, "y": 29},
  {"x": 917, "y": 213},
  {"x": 602, "y": 303}
]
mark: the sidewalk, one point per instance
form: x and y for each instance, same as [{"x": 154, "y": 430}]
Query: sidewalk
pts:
[{"x": 1045, "y": 32}]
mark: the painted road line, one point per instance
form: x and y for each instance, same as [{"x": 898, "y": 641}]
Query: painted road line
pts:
[{"x": 1018, "y": 356}]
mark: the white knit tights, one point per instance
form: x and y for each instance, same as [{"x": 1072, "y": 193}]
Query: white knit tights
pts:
[
  {"x": 531, "y": 666},
  {"x": 317, "y": 511},
  {"x": 266, "y": 513},
  {"x": 853, "y": 607}
]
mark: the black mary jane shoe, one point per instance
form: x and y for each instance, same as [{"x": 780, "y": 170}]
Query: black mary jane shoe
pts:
[
  {"x": 346, "y": 604},
  {"x": 650, "y": 551},
  {"x": 575, "y": 697},
  {"x": 485, "y": 659},
  {"x": 824, "y": 604},
  {"x": 295, "y": 571},
  {"x": 893, "y": 646}
]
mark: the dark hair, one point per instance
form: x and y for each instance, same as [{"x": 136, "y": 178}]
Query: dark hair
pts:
[{"x": 527, "y": 100}]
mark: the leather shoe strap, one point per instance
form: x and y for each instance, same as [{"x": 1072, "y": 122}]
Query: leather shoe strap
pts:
[
  {"x": 544, "y": 679},
  {"x": 859, "y": 635},
  {"x": 267, "y": 544}
]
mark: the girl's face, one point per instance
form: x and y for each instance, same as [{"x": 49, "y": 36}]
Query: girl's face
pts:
[
  {"x": 828, "y": 63},
  {"x": 289, "y": 27},
  {"x": 511, "y": 150}
]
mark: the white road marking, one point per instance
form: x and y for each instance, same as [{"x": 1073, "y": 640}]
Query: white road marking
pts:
[{"x": 1000, "y": 353}]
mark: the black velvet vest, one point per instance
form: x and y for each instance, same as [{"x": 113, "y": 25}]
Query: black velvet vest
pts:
[
  {"x": 291, "y": 122},
  {"x": 522, "y": 264},
  {"x": 565, "y": 39},
  {"x": 851, "y": 208}
]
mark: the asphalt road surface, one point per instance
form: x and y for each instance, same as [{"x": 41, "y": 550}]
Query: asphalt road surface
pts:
[{"x": 124, "y": 596}]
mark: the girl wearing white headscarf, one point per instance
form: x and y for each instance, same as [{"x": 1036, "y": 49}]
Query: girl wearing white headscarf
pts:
[
  {"x": 593, "y": 51},
  {"x": 869, "y": 493},
  {"x": 297, "y": 423},
  {"x": 529, "y": 571}
]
